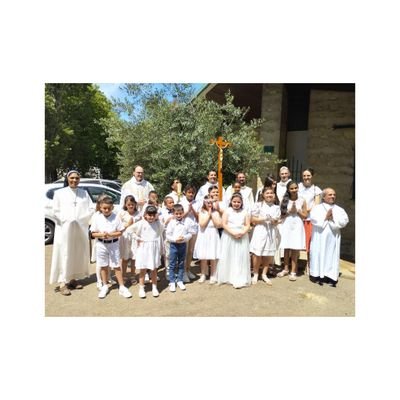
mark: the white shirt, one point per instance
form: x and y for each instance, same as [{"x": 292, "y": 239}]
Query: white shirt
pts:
[
  {"x": 308, "y": 194},
  {"x": 195, "y": 204},
  {"x": 203, "y": 191},
  {"x": 185, "y": 227},
  {"x": 281, "y": 188},
  {"x": 108, "y": 224}
]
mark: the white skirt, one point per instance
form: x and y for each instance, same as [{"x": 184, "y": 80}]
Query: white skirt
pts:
[
  {"x": 264, "y": 241},
  {"x": 293, "y": 235},
  {"x": 207, "y": 245},
  {"x": 127, "y": 246},
  {"x": 234, "y": 263},
  {"x": 148, "y": 255}
]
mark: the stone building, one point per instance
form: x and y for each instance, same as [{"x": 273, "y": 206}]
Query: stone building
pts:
[{"x": 309, "y": 125}]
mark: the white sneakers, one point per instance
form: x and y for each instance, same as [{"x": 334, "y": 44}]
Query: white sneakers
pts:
[
  {"x": 172, "y": 287},
  {"x": 202, "y": 278},
  {"x": 254, "y": 279},
  {"x": 103, "y": 292},
  {"x": 213, "y": 280},
  {"x": 124, "y": 292},
  {"x": 142, "y": 293},
  {"x": 292, "y": 276},
  {"x": 155, "y": 291}
]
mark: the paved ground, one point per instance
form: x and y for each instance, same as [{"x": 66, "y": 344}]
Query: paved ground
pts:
[{"x": 284, "y": 298}]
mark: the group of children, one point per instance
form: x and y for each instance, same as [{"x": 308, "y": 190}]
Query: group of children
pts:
[{"x": 214, "y": 232}]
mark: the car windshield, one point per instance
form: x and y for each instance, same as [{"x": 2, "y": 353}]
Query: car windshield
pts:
[{"x": 94, "y": 193}]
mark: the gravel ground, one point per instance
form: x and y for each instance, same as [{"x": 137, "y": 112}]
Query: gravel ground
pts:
[{"x": 283, "y": 298}]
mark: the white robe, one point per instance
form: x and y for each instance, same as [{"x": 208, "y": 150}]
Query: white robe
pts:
[
  {"x": 281, "y": 188},
  {"x": 325, "y": 240},
  {"x": 247, "y": 195},
  {"x": 73, "y": 210},
  {"x": 203, "y": 191},
  {"x": 139, "y": 190}
]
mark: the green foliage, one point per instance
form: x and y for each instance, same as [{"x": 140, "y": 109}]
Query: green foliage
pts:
[
  {"x": 77, "y": 118},
  {"x": 172, "y": 139}
]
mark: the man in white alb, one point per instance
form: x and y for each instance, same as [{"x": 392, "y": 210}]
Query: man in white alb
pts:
[
  {"x": 284, "y": 175},
  {"x": 211, "y": 181},
  {"x": 327, "y": 219},
  {"x": 245, "y": 191},
  {"x": 138, "y": 187}
]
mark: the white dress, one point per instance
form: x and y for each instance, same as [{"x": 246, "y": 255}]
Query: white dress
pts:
[
  {"x": 148, "y": 252},
  {"x": 208, "y": 244},
  {"x": 71, "y": 256},
  {"x": 309, "y": 194},
  {"x": 265, "y": 239},
  {"x": 325, "y": 240},
  {"x": 292, "y": 231},
  {"x": 127, "y": 243},
  {"x": 234, "y": 263}
]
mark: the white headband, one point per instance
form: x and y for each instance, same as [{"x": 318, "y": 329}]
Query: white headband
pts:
[{"x": 73, "y": 171}]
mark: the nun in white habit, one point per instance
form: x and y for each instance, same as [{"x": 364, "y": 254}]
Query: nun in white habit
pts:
[{"x": 72, "y": 208}]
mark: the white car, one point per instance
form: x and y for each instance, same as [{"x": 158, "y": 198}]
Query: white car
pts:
[
  {"x": 105, "y": 182},
  {"x": 94, "y": 192}
]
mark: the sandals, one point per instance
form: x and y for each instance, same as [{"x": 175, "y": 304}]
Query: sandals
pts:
[
  {"x": 74, "y": 284},
  {"x": 266, "y": 280},
  {"x": 283, "y": 273},
  {"x": 63, "y": 290}
]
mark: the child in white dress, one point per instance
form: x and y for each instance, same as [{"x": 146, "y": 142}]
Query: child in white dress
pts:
[
  {"x": 234, "y": 262},
  {"x": 207, "y": 247},
  {"x": 148, "y": 233},
  {"x": 265, "y": 239},
  {"x": 127, "y": 244},
  {"x": 293, "y": 238},
  {"x": 107, "y": 228}
]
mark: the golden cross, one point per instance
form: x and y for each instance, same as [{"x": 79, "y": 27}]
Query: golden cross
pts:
[{"x": 221, "y": 144}]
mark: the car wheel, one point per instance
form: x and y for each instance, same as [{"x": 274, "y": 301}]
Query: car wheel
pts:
[{"x": 48, "y": 231}]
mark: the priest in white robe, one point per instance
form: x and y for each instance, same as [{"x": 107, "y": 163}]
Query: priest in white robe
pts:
[
  {"x": 73, "y": 209},
  {"x": 327, "y": 219},
  {"x": 211, "y": 181},
  {"x": 245, "y": 191},
  {"x": 138, "y": 187}
]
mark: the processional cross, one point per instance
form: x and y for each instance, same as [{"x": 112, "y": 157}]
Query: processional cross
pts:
[{"x": 221, "y": 144}]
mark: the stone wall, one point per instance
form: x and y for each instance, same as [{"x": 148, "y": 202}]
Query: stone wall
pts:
[
  {"x": 331, "y": 152},
  {"x": 272, "y": 109}
]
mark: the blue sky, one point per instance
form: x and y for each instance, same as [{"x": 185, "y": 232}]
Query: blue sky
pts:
[{"x": 113, "y": 89}]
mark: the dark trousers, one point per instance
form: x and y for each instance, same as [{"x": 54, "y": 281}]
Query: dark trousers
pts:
[{"x": 177, "y": 253}]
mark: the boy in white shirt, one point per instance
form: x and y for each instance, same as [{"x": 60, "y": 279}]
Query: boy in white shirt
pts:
[
  {"x": 107, "y": 228},
  {"x": 179, "y": 232}
]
